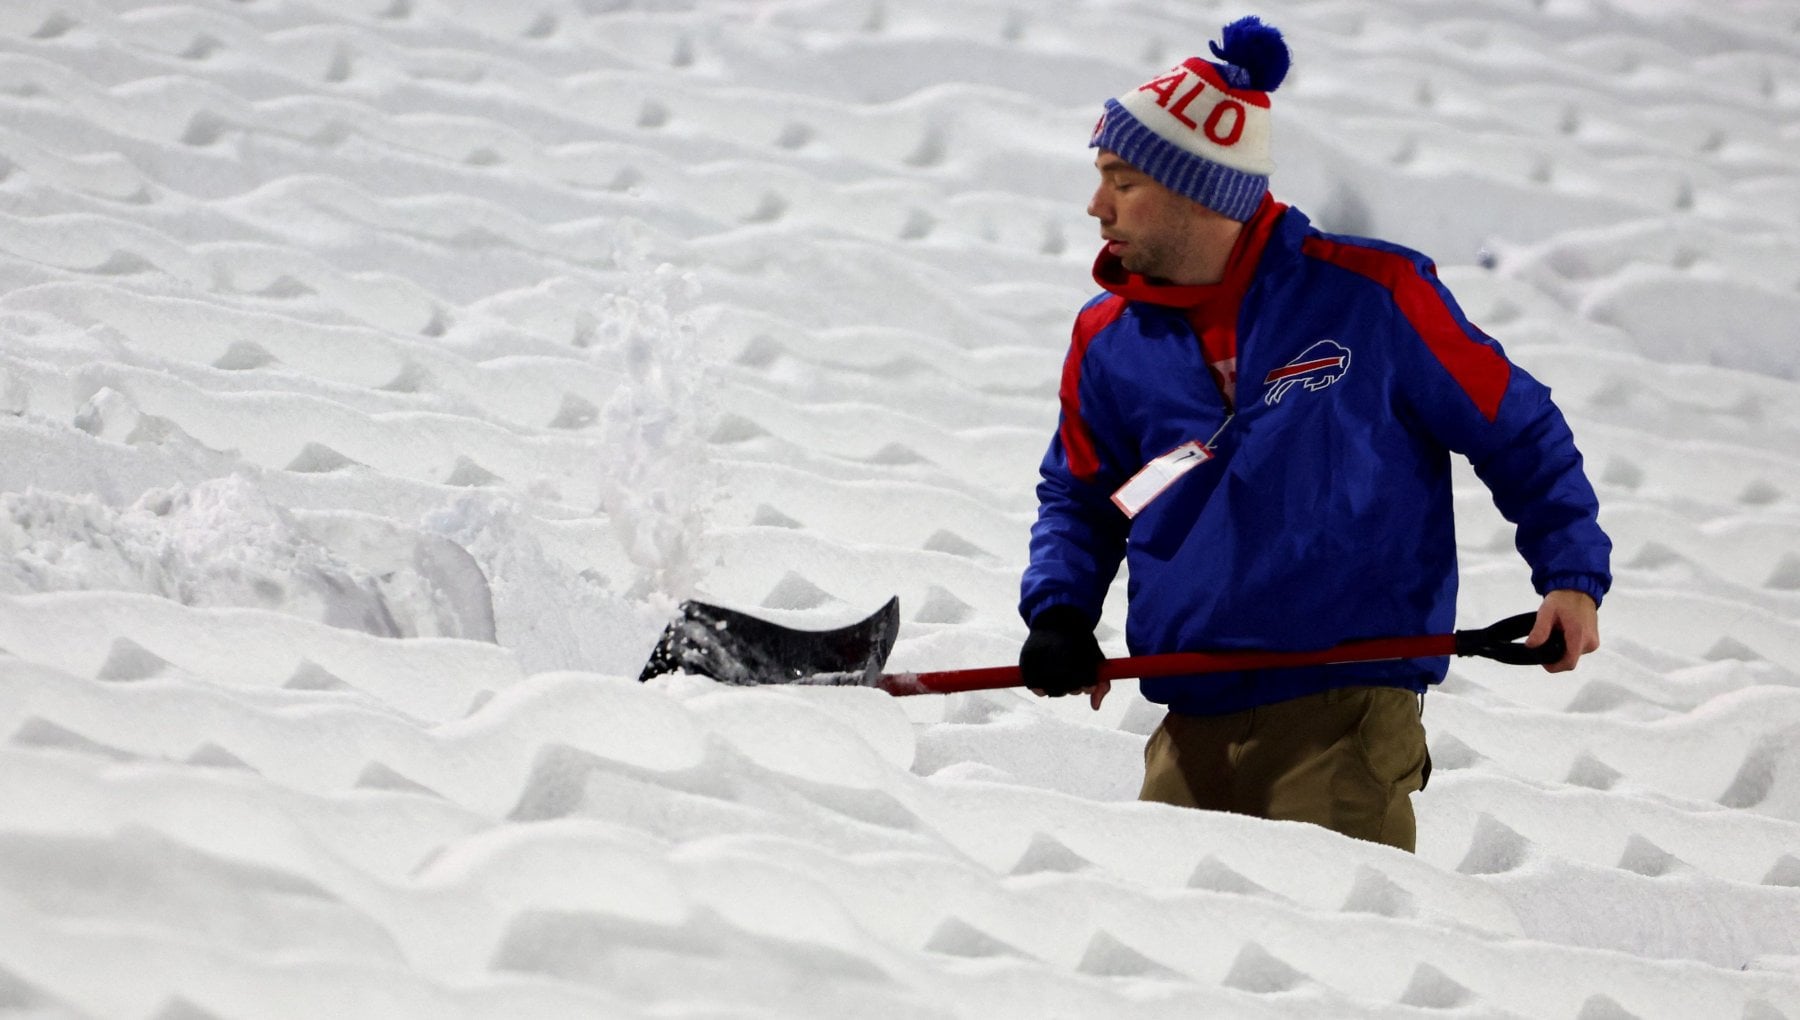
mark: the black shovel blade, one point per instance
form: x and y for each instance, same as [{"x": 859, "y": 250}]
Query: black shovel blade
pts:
[{"x": 736, "y": 648}]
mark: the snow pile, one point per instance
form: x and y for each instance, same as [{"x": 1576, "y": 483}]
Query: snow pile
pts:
[
  {"x": 222, "y": 543},
  {"x": 377, "y": 376}
]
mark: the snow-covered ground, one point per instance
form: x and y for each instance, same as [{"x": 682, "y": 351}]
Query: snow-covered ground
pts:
[{"x": 377, "y": 375}]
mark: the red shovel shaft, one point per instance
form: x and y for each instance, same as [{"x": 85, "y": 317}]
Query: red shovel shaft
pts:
[{"x": 954, "y": 681}]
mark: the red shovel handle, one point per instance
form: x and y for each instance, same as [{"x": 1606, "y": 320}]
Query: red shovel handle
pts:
[{"x": 1495, "y": 642}]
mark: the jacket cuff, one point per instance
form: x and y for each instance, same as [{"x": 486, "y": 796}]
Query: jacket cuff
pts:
[
  {"x": 1592, "y": 585},
  {"x": 1065, "y": 609}
]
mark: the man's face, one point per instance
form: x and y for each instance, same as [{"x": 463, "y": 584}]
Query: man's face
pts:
[{"x": 1152, "y": 230}]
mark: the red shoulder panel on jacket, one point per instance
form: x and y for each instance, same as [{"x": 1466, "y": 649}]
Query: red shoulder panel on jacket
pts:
[
  {"x": 1077, "y": 440},
  {"x": 1478, "y": 368}
]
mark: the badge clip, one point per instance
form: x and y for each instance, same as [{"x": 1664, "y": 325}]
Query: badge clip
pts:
[{"x": 1156, "y": 477}]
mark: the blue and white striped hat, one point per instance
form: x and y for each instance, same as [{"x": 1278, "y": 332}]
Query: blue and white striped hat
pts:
[{"x": 1202, "y": 129}]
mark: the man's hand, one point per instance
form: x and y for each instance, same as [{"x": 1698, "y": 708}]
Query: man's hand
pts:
[
  {"x": 1062, "y": 657},
  {"x": 1576, "y": 615}
]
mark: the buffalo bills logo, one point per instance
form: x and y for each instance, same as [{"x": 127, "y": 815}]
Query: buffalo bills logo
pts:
[{"x": 1316, "y": 368}]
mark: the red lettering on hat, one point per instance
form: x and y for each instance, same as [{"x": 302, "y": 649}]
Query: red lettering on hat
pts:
[
  {"x": 1205, "y": 74},
  {"x": 1165, "y": 86},
  {"x": 1179, "y": 110},
  {"x": 1218, "y": 113}
]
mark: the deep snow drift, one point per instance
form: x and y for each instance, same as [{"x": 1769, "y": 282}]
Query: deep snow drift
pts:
[{"x": 376, "y": 376}]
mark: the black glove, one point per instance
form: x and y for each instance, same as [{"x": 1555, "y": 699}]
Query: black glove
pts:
[{"x": 1061, "y": 656}]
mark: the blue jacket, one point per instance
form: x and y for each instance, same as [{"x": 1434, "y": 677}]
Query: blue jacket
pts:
[{"x": 1325, "y": 513}]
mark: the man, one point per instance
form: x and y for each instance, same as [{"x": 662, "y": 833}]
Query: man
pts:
[{"x": 1259, "y": 418}]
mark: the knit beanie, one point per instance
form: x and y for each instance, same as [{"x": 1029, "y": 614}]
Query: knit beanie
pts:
[{"x": 1202, "y": 129}]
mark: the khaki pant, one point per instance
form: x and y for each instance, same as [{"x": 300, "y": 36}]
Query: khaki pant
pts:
[{"x": 1347, "y": 759}]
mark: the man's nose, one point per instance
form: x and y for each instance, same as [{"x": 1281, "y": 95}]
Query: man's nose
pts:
[{"x": 1099, "y": 206}]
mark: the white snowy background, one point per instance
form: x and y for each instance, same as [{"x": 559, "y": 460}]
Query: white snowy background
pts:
[{"x": 377, "y": 375}]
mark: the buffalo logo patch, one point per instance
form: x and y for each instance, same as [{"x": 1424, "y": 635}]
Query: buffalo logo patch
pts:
[{"x": 1316, "y": 368}]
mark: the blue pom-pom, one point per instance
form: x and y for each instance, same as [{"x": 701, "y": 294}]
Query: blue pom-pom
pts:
[{"x": 1256, "y": 48}]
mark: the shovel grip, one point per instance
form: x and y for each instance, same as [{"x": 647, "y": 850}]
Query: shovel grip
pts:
[{"x": 1499, "y": 641}]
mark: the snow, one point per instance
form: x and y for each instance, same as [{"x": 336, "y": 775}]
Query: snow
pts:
[{"x": 378, "y": 376}]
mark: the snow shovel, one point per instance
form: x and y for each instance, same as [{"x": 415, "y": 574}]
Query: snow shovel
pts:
[{"x": 736, "y": 648}]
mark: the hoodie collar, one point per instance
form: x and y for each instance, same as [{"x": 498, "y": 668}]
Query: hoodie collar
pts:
[{"x": 1110, "y": 272}]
